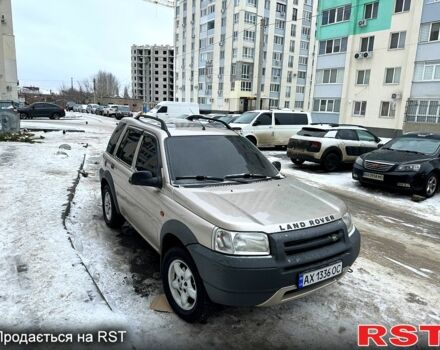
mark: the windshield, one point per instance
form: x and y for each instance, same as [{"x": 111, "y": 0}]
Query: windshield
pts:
[
  {"x": 246, "y": 118},
  {"x": 312, "y": 132},
  {"x": 123, "y": 108},
  {"x": 414, "y": 144},
  {"x": 215, "y": 156}
]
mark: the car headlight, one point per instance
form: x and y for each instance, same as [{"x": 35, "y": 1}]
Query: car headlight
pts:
[
  {"x": 240, "y": 243},
  {"x": 359, "y": 161},
  {"x": 346, "y": 218},
  {"x": 409, "y": 167}
]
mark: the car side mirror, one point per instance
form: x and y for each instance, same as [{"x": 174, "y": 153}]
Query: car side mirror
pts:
[
  {"x": 145, "y": 178},
  {"x": 277, "y": 165},
  {"x": 380, "y": 145},
  {"x": 256, "y": 123}
]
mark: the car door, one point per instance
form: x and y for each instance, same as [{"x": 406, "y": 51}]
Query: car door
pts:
[
  {"x": 162, "y": 112},
  {"x": 38, "y": 110},
  {"x": 286, "y": 125},
  {"x": 145, "y": 202},
  {"x": 262, "y": 128},
  {"x": 122, "y": 169},
  {"x": 368, "y": 142},
  {"x": 349, "y": 144}
]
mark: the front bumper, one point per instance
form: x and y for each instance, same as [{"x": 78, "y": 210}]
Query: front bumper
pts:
[
  {"x": 269, "y": 280},
  {"x": 396, "y": 180}
]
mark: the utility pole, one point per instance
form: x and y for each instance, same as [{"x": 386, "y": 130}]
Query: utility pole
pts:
[
  {"x": 94, "y": 90},
  {"x": 71, "y": 84},
  {"x": 260, "y": 64}
]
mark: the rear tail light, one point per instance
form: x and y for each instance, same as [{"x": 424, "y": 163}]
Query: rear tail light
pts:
[{"x": 314, "y": 146}]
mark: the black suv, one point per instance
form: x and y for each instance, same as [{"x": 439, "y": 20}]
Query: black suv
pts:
[
  {"x": 410, "y": 162},
  {"x": 122, "y": 112},
  {"x": 41, "y": 110}
]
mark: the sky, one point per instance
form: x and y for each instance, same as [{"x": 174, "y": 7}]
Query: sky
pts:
[{"x": 57, "y": 40}]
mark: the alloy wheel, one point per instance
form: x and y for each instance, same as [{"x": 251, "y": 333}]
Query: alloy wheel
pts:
[{"x": 182, "y": 285}]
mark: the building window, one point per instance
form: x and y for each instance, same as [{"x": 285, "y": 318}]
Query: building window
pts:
[
  {"x": 300, "y": 89},
  {"x": 245, "y": 71},
  {"x": 246, "y": 86},
  {"x": 360, "y": 108},
  {"x": 387, "y": 109},
  {"x": 392, "y": 75},
  {"x": 367, "y": 44},
  {"x": 299, "y": 104},
  {"x": 249, "y": 35},
  {"x": 329, "y": 76},
  {"x": 303, "y": 60},
  {"x": 250, "y": 17},
  {"x": 248, "y": 52},
  {"x": 278, "y": 40},
  {"x": 295, "y": 14},
  {"x": 273, "y": 103},
  {"x": 302, "y": 74},
  {"x": 370, "y": 10},
  {"x": 363, "y": 77},
  {"x": 286, "y": 104},
  {"x": 336, "y": 15},
  {"x": 252, "y": 3},
  {"x": 434, "y": 32},
  {"x": 397, "y": 40},
  {"x": 332, "y": 46},
  {"x": 327, "y": 105},
  {"x": 293, "y": 30},
  {"x": 402, "y": 6},
  {"x": 288, "y": 91},
  {"x": 280, "y": 24},
  {"x": 281, "y": 8},
  {"x": 274, "y": 87},
  {"x": 423, "y": 111}
]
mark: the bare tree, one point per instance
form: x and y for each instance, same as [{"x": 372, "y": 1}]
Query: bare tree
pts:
[
  {"x": 126, "y": 93},
  {"x": 106, "y": 85}
]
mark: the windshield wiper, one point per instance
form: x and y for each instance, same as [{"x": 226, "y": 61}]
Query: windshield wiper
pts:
[
  {"x": 408, "y": 151},
  {"x": 200, "y": 178},
  {"x": 248, "y": 176}
]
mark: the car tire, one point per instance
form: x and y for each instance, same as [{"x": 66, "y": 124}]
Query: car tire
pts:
[
  {"x": 431, "y": 185},
  {"x": 23, "y": 116},
  {"x": 297, "y": 161},
  {"x": 111, "y": 216},
  {"x": 252, "y": 139},
  {"x": 55, "y": 116},
  {"x": 185, "y": 293},
  {"x": 331, "y": 162}
]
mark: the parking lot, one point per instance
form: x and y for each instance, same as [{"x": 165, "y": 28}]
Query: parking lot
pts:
[{"x": 70, "y": 270}]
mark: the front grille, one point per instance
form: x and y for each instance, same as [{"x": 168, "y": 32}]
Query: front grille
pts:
[
  {"x": 307, "y": 244},
  {"x": 377, "y": 166}
]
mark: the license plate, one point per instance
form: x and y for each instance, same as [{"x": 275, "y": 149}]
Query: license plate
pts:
[
  {"x": 373, "y": 176},
  {"x": 322, "y": 274}
]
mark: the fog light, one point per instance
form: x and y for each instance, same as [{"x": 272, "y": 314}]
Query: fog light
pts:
[{"x": 403, "y": 184}]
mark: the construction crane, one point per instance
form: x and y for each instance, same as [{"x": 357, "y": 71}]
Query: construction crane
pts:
[{"x": 167, "y": 3}]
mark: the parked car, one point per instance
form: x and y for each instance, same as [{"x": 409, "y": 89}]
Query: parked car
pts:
[
  {"x": 83, "y": 108},
  {"x": 122, "y": 112},
  {"x": 222, "y": 244},
  {"x": 100, "y": 110},
  {"x": 70, "y": 105},
  {"x": 76, "y": 108},
  {"x": 410, "y": 162},
  {"x": 270, "y": 128},
  {"x": 331, "y": 144},
  {"x": 110, "y": 110},
  {"x": 8, "y": 104},
  {"x": 91, "y": 108},
  {"x": 40, "y": 110},
  {"x": 169, "y": 109}
]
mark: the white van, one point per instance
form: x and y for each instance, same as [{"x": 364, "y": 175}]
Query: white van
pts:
[
  {"x": 270, "y": 128},
  {"x": 168, "y": 109}
]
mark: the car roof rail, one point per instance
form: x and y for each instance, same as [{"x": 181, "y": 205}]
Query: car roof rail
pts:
[
  {"x": 192, "y": 117},
  {"x": 333, "y": 125},
  {"x": 162, "y": 123}
]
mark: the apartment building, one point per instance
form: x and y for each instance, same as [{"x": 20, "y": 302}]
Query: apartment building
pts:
[
  {"x": 217, "y": 53},
  {"x": 423, "y": 106},
  {"x": 152, "y": 73},
  {"x": 8, "y": 62},
  {"x": 365, "y": 62}
]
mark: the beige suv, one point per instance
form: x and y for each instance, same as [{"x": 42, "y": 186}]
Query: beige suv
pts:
[{"x": 230, "y": 229}]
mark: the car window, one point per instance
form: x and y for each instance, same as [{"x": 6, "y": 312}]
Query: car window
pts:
[
  {"x": 246, "y": 118},
  {"x": 365, "y": 136},
  {"x": 163, "y": 109},
  {"x": 115, "y": 137},
  {"x": 291, "y": 119},
  {"x": 347, "y": 134},
  {"x": 312, "y": 132},
  {"x": 265, "y": 119},
  {"x": 128, "y": 146},
  {"x": 148, "y": 158},
  {"x": 39, "y": 106}
]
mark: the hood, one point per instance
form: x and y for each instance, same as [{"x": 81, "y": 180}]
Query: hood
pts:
[
  {"x": 395, "y": 157},
  {"x": 265, "y": 206}
]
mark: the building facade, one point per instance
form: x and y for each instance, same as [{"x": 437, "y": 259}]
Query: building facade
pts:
[
  {"x": 365, "y": 62},
  {"x": 8, "y": 62},
  {"x": 152, "y": 72},
  {"x": 423, "y": 106},
  {"x": 217, "y": 53}
]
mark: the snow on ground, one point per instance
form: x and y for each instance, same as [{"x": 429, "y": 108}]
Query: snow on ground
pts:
[
  {"x": 47, "y": 285},
  {"x": 342, "y": 181}
]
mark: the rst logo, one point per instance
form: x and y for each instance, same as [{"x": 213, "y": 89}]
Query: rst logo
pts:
[{"x": 401, "y": 335}]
